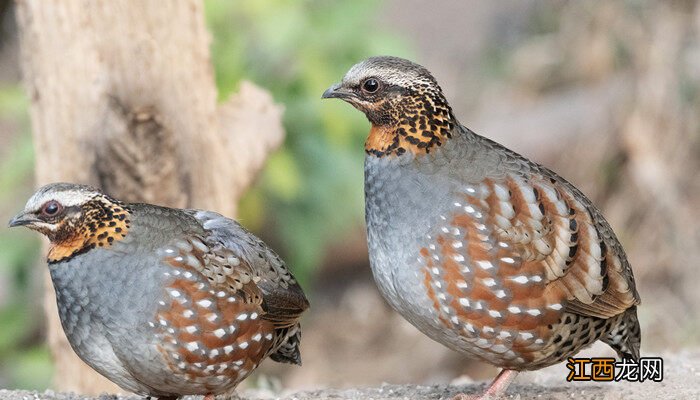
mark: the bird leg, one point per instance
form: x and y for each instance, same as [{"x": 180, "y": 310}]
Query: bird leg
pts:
[
  {"x": 209, "y": 396},
  {"x": 496, "y": 389}
]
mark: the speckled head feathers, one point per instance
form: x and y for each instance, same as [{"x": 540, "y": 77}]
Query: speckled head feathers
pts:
[
  {"x": 68, "y": 194},
  {"x": 392, "y": 70},
  {"x": 75, "y": 218},
  {"x": 402, "y": 100}
]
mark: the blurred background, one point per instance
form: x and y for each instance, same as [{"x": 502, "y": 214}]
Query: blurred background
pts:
[{"x": 604, "y": 93}]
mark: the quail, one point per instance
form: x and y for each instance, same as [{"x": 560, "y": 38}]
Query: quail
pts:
[
  {"x": 164, "y": 302},
  {"x": 481, "y": 249}
]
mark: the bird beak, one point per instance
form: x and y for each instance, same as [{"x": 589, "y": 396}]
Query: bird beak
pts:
[
  {"x": 23, "y": 218},
  {"x": 338, "y": 92}
]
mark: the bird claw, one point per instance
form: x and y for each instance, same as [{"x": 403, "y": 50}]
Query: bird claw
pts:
[{"x": 495, "y": 390}]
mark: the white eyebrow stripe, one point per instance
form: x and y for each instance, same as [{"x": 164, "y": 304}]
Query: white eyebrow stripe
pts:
[{"x": 66, "y": 198}]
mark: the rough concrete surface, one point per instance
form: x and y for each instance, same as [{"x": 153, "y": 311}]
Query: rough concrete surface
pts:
[{"x": 681, "y": 381}]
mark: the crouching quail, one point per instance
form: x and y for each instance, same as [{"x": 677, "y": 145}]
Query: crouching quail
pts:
[
  {"x": 481, "y": 249},
  {"x": 164, "y": 302}
]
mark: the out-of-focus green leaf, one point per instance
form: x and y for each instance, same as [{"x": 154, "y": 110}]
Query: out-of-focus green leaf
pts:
[
  {"x": 312, "y": 188},
  {"x": 32, "y": 369},
  {"x": 14, "y": 327},
  {"x": 17, "y": 166},
  {"x": 282, "y": 174},
  {"x": 13, "y": 102},
  {"x": 17, "y": 249}
]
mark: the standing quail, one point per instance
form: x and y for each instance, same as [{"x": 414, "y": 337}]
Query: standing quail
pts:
[
  {"x": 481, "y": 249},
  {"x": 164, "y": 302}
]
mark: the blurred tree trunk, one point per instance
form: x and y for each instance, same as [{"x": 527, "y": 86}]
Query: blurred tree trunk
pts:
[{"x": 123, "y": 97}]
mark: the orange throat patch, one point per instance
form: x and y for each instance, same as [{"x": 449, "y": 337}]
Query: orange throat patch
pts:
[
  {"x": 383, "y": 140},
  {"x": 380, "y": 139},
  {"x": 99, "y": 228}
]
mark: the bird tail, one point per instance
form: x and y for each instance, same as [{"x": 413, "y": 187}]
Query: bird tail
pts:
[
  {"x": 625, "y": 336},
  {"x": 288, "y": 351}
]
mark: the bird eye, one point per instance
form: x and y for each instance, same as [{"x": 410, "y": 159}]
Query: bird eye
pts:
[
  {"x": 51, "y": 208},
  {"x": 370, "y": 85}
]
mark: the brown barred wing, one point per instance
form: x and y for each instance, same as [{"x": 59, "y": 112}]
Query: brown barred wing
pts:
[
  {"x": 283, "y": 299},
  {"x": 211, "y": 317},
  {"x": 513, "y": 258}
]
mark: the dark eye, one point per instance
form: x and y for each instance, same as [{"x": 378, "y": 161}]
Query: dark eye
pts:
[
  {"x": 51, "y": 208},
  {"x": 370, "y": 85}
]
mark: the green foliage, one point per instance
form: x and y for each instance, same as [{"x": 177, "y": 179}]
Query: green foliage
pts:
[
  {"x": 312, "y": 188},
  {"x": 31, "y": 369},
  {"x": 23, "y": 362}
]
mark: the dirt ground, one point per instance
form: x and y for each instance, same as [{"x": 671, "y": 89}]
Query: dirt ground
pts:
[{"x": 681, "y": 381}]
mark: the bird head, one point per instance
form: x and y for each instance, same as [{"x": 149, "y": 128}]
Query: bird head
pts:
[
  {"x": 403, "y": 102},
  {"x": 73, "y": 217}
]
